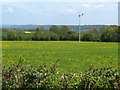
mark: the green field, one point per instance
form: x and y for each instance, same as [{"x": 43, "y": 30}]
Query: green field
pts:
[{"x": 72, "y": 55}]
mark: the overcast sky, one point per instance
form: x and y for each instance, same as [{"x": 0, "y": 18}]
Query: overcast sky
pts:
[{"x": 59, "y": 12}]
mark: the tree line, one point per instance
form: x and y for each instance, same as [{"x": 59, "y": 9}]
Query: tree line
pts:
[{"x": 111, "y": 34}]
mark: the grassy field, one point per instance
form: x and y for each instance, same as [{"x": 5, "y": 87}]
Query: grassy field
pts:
[
  {"x": 72, "y": 55},
  {"x": 0, "y": 65}
]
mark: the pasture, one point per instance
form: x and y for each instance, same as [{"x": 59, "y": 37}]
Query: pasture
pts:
[{"x": 73, "y": 56}]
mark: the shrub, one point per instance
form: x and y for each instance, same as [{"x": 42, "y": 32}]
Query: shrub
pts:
[{"x": 44, "y": 77}]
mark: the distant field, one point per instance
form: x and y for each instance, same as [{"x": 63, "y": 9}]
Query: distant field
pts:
[{"x": 72, "y": 55}]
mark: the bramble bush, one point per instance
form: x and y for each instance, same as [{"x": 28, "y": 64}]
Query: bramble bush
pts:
[{"x": 44, "y": 77}]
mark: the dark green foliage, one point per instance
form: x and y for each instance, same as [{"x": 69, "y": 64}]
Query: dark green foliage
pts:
[
  {"x": 87, "y": 37},
  {"x": 92, "y": 35},
  {"x": 64, "y": 29},
  {"x": 40, "y": 29},
  {"x": 40, "y": 35},
  {"x": 111, "y": 34},
  {"x": 54, "y": 29},
  {"x": 95, "y": 35},
  {"x": 105, "y": 35},
  {"x": 4, "y": 37},
  {"x": 74, "y": 36},
  {"x": 21, "y": 35},
  {"x": 118, "y": 33},
  {"x": 44, "y": 77},
  {"x": 54, "y": 37},
  {"x": 11, "y": 35}
]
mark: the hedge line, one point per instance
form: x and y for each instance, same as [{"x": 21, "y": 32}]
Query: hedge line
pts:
[{"x": 48, "y": 77}]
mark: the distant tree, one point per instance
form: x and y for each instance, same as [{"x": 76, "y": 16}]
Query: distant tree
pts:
[
  {"x": 74, "y": 36},
  {"x": 102, "y": 29},
  {"x": 48, "y": 35},
  {"x": 86, "y": 37},
  {"x": 4, "y": 37},
  {"x": 39, "y": 34},
  {"x": 103, "y": 36},
  {"x": 11, "y": 35},
  {"x": 68, "y": 35},
  {"x": 41, "y": 29},
  {"x": 63, "y": 30},
  {"x": 55, "y": 37},
  {"x": 37, "y": 29},
  {"x": 54, "y": 29},
  {"x": 36, "y": 36},
  {"x": 95, "y": 35},
  {"x": 28, "y": 37},
  {"x": 118, "y": 33},
  {"x": 110, "y": 34},
  {"x": 21, "y": 35}
]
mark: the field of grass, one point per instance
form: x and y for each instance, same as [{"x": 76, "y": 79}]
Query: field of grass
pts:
[
  {"x": 72, "y": 55},
  {"x": 0, "y": 65}
]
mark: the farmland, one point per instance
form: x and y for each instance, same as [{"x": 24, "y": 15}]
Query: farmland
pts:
[{"x": 72, "y": 55}]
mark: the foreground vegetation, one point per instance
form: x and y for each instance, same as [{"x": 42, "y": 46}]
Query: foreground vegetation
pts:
[
  {"x": 75, "y": 69},
  {"x": 72, "y": 56},
  {"x": 48, "y": 77}
]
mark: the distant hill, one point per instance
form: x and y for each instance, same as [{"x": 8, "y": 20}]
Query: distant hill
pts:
[{"x": 71, "y": 27}]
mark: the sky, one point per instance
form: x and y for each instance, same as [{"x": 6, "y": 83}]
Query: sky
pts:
[{"x": 59, "y": 13}]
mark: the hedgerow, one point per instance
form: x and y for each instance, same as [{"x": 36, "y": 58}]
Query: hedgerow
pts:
[{"x": 48, "y": 77}]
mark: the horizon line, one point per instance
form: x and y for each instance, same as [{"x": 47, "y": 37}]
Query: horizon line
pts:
[{"x": 58, "y": 24}]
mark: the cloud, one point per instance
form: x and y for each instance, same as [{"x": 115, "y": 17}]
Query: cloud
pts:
[
  {"x": 10, "y": 9},
  {"x": 86, "y": 5},
  {"x": 100, "y": 6},
  {"x": 71, "y": 10},
  {"x": 60, "y": 0},
  {"x": 49, "y": 9}
]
